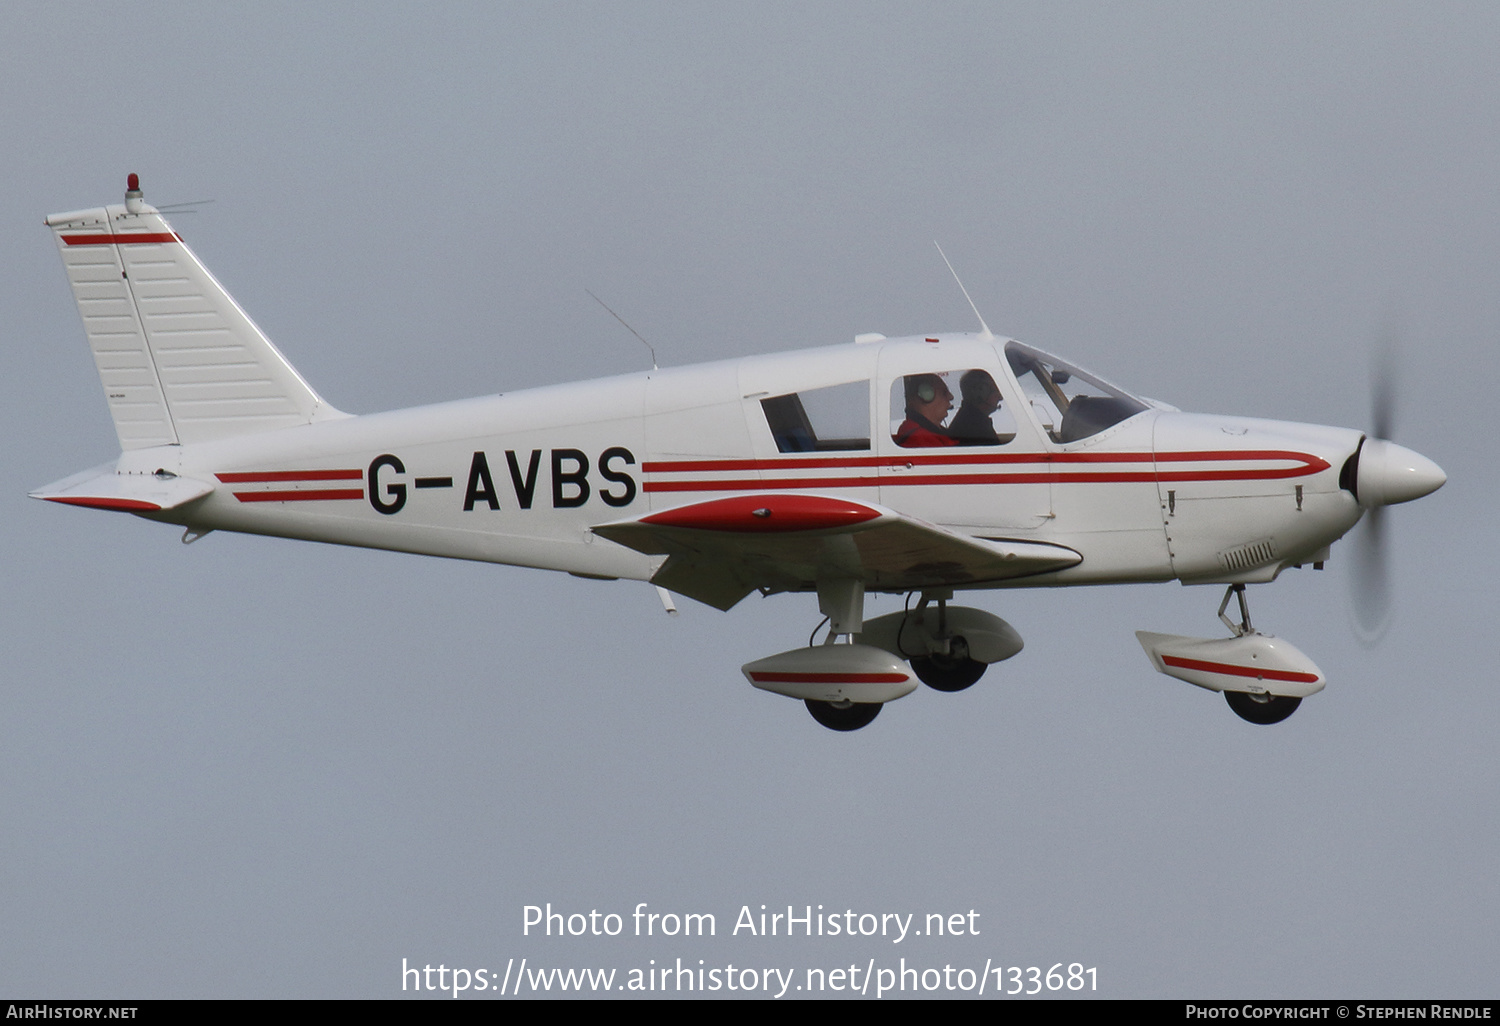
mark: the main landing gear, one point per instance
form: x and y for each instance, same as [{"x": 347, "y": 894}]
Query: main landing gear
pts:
[
  {"x": 863, "y": 664},
  {"x": 843, "y": 715},
  {"x": 947, "y": 666},
  {"x": 952, "y": 672},
  {"x": 843, "y": 682}
]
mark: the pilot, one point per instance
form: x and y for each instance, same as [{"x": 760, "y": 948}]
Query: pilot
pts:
[
  {"x": 928, "y": 401},
  {"x": 981, "y": 398}
]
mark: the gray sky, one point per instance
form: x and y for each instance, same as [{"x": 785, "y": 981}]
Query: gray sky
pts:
[{"x": 272, "y": 769}]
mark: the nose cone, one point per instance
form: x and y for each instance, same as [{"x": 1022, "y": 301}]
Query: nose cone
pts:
[{"x": 1390, "y": 473}]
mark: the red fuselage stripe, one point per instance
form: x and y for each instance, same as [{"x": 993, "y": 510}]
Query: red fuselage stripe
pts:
[
  {"x": 750, "y": 484},
  {"x": 1291, "y": 676},
  {"x": 261, "y": 477},
  {"x": 125, "y": 239},
  {"x": 1048, "y": 471},
  {"x": 302, "y": 495},
  {"x": 1311, "y": 464}
]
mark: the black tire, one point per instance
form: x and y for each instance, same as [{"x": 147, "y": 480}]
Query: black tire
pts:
[
  {"x": 951, "y": 672},
  {"x": 1262, "y": 709},
  {"x": 849, "y": 717}
]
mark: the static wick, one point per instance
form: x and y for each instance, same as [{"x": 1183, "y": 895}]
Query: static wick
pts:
[{"x": 628, "y": 328}]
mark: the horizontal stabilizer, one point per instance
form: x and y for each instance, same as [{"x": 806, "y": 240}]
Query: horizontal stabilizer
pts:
[{"x": 104, "y": 488}]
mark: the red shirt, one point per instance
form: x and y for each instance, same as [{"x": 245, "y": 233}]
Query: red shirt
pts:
[{"x": 919, "y": 433}]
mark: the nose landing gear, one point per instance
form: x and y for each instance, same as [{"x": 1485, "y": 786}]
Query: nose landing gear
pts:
[
  {"x": 1263, "y": 678},
  {"x": 1262, "y": 708}
]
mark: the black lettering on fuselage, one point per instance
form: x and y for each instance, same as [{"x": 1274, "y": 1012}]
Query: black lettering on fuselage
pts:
[
  {"x": 525, "y": 488},
  {"x": 571, "y": 487},
  {"x": 481, "y": 485},
  {"x": 617, "y": 477},
  {"x": 578, "y": 478},
  {"x": 395, "y": 494}
]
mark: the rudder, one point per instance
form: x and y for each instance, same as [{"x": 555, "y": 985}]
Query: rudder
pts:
[{"x": 179, "y": 360}]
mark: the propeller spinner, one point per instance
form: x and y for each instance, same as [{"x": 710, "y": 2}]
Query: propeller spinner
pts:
[{"x": 1380, "y": 474}]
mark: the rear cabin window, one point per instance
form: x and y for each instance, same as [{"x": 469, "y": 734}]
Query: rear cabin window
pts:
[{"x": 834, "y": 419}]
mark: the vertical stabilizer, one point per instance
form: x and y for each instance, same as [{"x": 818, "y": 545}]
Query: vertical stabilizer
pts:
[{"x": 179, "y": 360}]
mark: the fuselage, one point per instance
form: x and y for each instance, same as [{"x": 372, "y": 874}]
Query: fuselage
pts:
[{"x": 522, "y": 478}]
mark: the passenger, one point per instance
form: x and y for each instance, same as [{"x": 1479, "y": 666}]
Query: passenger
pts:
[
  {"x": 928, "y": 401},
  {"x": 972, "y": 424}
]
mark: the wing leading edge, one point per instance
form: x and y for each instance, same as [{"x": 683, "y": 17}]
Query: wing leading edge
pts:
[{"x": 721, "y": 550}]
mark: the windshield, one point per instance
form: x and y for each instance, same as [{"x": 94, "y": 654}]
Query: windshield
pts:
[{"x": 1071, "y": 404}]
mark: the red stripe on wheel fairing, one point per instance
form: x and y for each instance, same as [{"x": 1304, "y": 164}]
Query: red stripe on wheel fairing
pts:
[
  {"x": 1291, "y": 676},
  {"x": 830, "y": 678}
]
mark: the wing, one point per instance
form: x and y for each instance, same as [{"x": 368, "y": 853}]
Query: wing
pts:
[{"x": 721, "y": 550}]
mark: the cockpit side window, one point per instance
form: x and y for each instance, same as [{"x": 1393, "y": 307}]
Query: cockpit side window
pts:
[
  {"x": 1071, "y": 404},
  {"x": 833, "y": 419},
  {"x": 961, "y": 407}
]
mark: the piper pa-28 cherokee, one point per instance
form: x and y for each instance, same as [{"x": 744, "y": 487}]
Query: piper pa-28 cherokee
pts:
[{"x": 917, "y": 466}]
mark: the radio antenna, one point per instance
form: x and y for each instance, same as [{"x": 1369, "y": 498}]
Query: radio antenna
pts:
[
  {"x": 985, "y": 332},
  {"x": 628, "y": 328}
]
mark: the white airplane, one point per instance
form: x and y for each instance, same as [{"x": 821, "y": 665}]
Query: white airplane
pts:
[{"x": 917, "y": 466}]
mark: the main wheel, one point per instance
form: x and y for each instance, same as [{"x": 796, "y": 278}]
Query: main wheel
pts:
[
  {"x": 1261, "y": 709},
  {"x": 952, "y": 672},
  {"x": 844, "y": 715}
]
